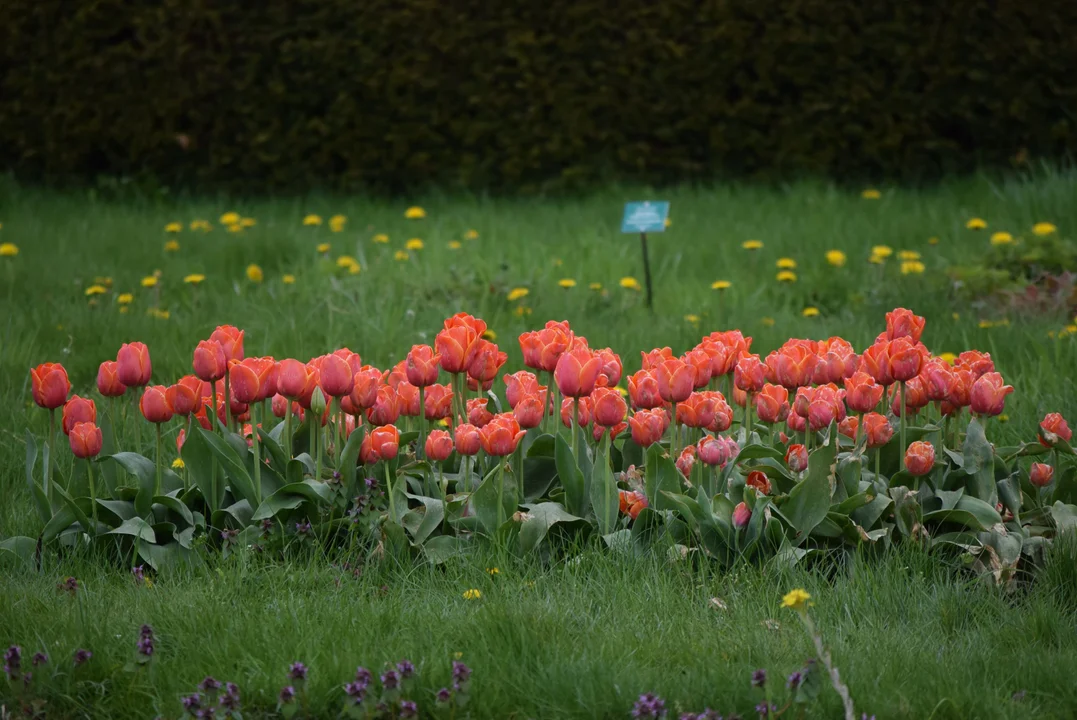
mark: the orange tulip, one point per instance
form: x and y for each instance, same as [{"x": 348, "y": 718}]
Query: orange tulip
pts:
[
  {"x": 648, "y": 426},
  {"x": 698, "y": 410},
  {"x": 758, "y": 479},
  {"x": 477, "y": 412},
  {"x": 915, "y": 397},
  {"x": 485, "y": 362},
  {"x": 920, "y": 458},
  {"x": 521, "y": 384},
  {"x": 457, "y": 343},
  {"x": 501, "y": 435},
  {"x": 654, "y": 358},
  {"x": 876, "y": 362},
  {"x": 365, "y": 387},
  {"x": 438, "y": 445},
  {"x": 686, "y": 460},
  {"x": 108, "y": 380},
  {"x": 385, "y": 441},
  {"x": 355, "y": 363},
  {"x": 643, "y": 390},
  {"x": 723, "y": 415},
  {"x": 438, "y": 402},
  {"x": 988, "y": 395},
  {"x": 154, "y": 404},
  {"x": 386, "y": 408},
  {"x": 736, "y": 343},
  {"x": 848, "y": 426},
  {"x": 878, "y": 430},
  {"x": 741, "y": 516},
  {"x": 85, "y": 440},
  {"x": 938, "y": 379},
  {"x": 748, "y": 375},
  {"x": 543, "y": 348},
  {"x": 408, "y": 397},
  {"x": 713, "y": 450},
  {"x": 1053, "y": 429},
  {"x": 583, "y": 414},
  {"x": 210, "y": 363},
  {"x": 599, "y": 431},
  {"x": 528, "y": 411},
  {"x": 837, "y": 361},
  {"x": 336, "y": 376},
  {"x": 792, "y": 366},
  {"x": 609, "y": 407},
  {"x": 468, "y": 440},
  {"x": 676, "y": 380},
  {"x": 253, "y": 379},
  {"x": 184, "y": 396},
  {"x": 796, "y": 457},
  {"x": 978, "y": 363},
  {"x": 902, "y": 323},
  {"x": 612, "y": 369},
  {"x": 796, "y": 422},
  {"x": 133, "y": 364},
  {"x": 960, "y": 391},
  {"x": 862, "y": 394},
  {"x": 280, "y": 406},
  {"x": 422, "y": 366},
  {"x": 700, "y": 362},
  {"x": 292, "y": 378},
  {"x": 632, "y": 503},
  {"x": 1041, "y": 475},
  {"x": 772, "y": 404},
  {"x": 577, "y": 372},
  {"x": 77, "y": 410},
  {"x": 906, "y": 359},
  {"x": 231, "y": 340}
]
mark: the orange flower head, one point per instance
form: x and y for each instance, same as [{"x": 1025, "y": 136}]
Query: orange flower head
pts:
[
  {"x": 231, "y": 340},
  {"x": 108, "y": 380},
  {"x": 500, "y": 436},
  {"x": 423, "y": 365},
  {"x": 577, "y": 372},
  {"x": 793, "y": 366},
  {"x": 609, "y": 407},
  {"x": 700, "y": 362},
  {"x": 133, "y": 364},
  {"x": 365, "y": 385},
  {"x": 384, "y": 442},
  {"x": 749, "y": 375},
  {"x": 457, "y": 343},
  {"x": 643, "y": 390},
  {"x": 906, "y": 359},
  {"x": 976, "y": 362},
  {"x": 698, "y": 410},
  {"x": 1041, "y": 475},
  {"x": 876, "y": 362},
  {"x": 521, "y": 384},
  {"x": 408, "y": 399},
  {"x": 796, "y": 457},
  {"x": 386, "y": 408},
  {"x": 988, "y": 395},
  {"x": 85, "y": 440},
  {"x": 862, "y": 394},
  {"x": 648, "y": 426},
  {"x": 154, "y": 404},
  {"x": 438, "y": 445},
  {"x": 915, "y": 397},
  {"x": 438, "y": 402},
  {"x": 335, "y": 376},
  {"x": 920, "y": 458},
  {"x": 468, "y": 440},
  {"x": 478, "y": 414},
  {"x": 772, "y": 404},
  {"x": 848, "y": 426},
  {"x": 77, "y": 410},
  {"x": 632, "y": 503},
  {"x": 902, "y": 323},
  {"x": 185, "y": 395},
  {"x": 486, "y": 362},
  {"x": 1054, "y": 428},
  {"x": 528, "y": 411},
  {"x": 654, "y": 358},
  {"x": 584, "y": 412},
  {"x": 292, "y": 378},
  {"x": 676, "y": 380},
  {"x": 758, "y": 479},
  {"x": 741, "y": 516},
  {"x": 686, "y": 460},
  {"x": 938, "y": 378},
  {"x": 878, "y": 430},
  {"x": 210, "y": 363}
]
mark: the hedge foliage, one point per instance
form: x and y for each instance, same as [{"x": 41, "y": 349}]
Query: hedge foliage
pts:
[{"x": 267, "y": 94}]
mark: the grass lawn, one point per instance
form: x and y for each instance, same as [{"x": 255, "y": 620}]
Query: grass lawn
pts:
[{"x": 915, "y": 635}]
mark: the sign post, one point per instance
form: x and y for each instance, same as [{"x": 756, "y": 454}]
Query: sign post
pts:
[{"x": 642, "y": 218}]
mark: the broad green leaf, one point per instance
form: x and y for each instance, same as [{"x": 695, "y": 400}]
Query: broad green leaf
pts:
[
  {"x": 41, "y": 501},
  {"x": 647, "y": 527},
  {"x": 430, "y": 520},
  {"x": 82, "y": 508},
  {"x": 539, "y": 474},
  {"x": 60, "y": 521},
  {"x": 292, "y": 496},
  {"x": 136, "y": 527},
  {"x": 979, "y": 464},
  {"x": 199, "y": 459},
  {"x": 238, "y": 477},
  {"x": 538, "y": 521},
  {"x": 442, "y": 548},
  {"x": 756, "y": 452},
  {"x": 604, "y": 497},
  {"x": 237, "y": 515},
  {"x": 662, "y": 476},
  {"x": 146, "y": 472},
  {"x": 572, "y": 479},
  {"x": 120, "y": 509},
  {"x": 485, "y": 501},
  {"x": 851, "y": 503},
  {"x": 348, "y": 459},
  {"x": 868, "y": 515},
  {"x": 809, "y": 501},
  {"x": 1065, "y": 516},
  {"x": 21, "y": 548},
  {"x": 175, "y": 505},
  {"x": 163, "y": 557},
  {"x": 968, "y": 511},
  {"x": 272, "y": 449},
  {"x": 686, "y": 507}
]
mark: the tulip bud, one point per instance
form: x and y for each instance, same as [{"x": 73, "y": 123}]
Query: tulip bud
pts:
[
  {"x": 108, "y": 380},
  {"x": 1041, "y": 474},
  {"x": 154, "y": 404},
  {"x": 796, "y": 457},
  {"x": 85, "y": 440},
  {"x": 133, "y": 364},
  {"x": 77, "y": 410},
  {"x": 210, "y": 363},
  {"x": 317, "y": 401},
  {"x": 920, "y": 458},
  {"x": 438, "y": 445},
  {"x": 468, "y": 440},
  {"x": 1053, "y": 428},
  {"x": 741, "y": 516},
  {"x": 712, "y": 451}
]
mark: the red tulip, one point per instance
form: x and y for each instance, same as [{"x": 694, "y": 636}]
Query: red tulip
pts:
[
  {"x": 676, "y": 380},
  {"x": 408, "y": 399},
  {"x": 384, "y": 442},
  {"x": 438, "y": 445},
  {"x": 713, "y": 450},
  {"x": 76, "y": 410},
  {"x": 438, "y": 402},
  {"x": 976, "y": 362},
  {"x": 528, "y": 411},
  {"x": 612, "y": 369},
  {"x": 648, "y": 426},
  {"x": 336, "y": 376},
  {"x": 837, "y": 361},
  {"x": 758, "y": 479},
  {"x": 654, "y": 358},
  {"x": 457, "y": 343},
  {"x": 698, "y": 410},
  {"x": 1053, "y": 428},
  {"x": 915, "y": 397},
  {"x": 543, "y": 348},
  {"x": 961, "y": 391},
  {"x": 133, "y": 364},
  {"x": 687, "y": 460},
  {"x": 292, "y": 378},
  {"x": 181, "y": 439},
  {"x": 988, "y": 395},
  {"x": 85, "y": 440},
  {"x": 878, "y": 430},
  {"x": 861, "y": 393},
  {"x": 748, "y": 375},
  {"x": 313, "y": 380},
  {"x": 796, "y": 457},
  {"x": 876, "y": 362},
  {"x": 906, "y": 359},
  {"x": 826, "y": 407},
  {"x": 793, "y": 366},
  {"x": 154, "y": 404},
  {"x": 848, "y": 426},
  {"x": 386, "y": 408},
  {"x": 632, "y": 503},
  {"x": 902, "y": 323},
  {"x": 365, "y": 384},
  {"x": 184, "y": 396},
  {"x": 108, "y": 380},
  {"x": 468, "y": 440},
  {"x": 210, "y": 363},
  {"x": 796, "y": 422},
  {"x": 486, "y": 362},
  {"x": 609, "y": 408},
  {"x": 231, "y": 340},
  {"x": 938, "y": 379},
  {"x": 599, "y": 431},
  {"x": 520, "y": 384},
  {"x": 700, "y": 362},
  {"x": 477, "y": 412},
  {"x": 772, "y": 404},
  {"x": 723, "y": 415},
  {"x": 577, "y": 371},
  {"x": 731, "y": 347},
  {"x": 643, "y": 390},
  {"x": 920, "y": 458},
  {"x": 741, "y": 516},
  {"x": 355, "y": 363},
  {"x": 279, "y": 405},
  {"x": 584, "y": 412},
  {"x": 1041, "y": 475},
  {"x": 422, "y": 366},
  {"x": 501, "y": 435},
  {"x": 253, "y": 379}
]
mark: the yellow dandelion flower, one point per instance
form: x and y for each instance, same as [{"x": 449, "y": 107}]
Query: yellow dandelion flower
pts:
[
  {"x": 883, "y": 251},
  {"x": 517, "y": 293},
  {"x": 955, "y": 316},
  {"x": 786, "y": 264},
  {"x": 912, "y": 267},
  {"x": 312, "y": 220},
  {"x": 1071, "y": 329},
  {"x": 173, "y": 227},
  {"x": 489, "y": 335},
  {"x": 876, "y": 260},
  {"x": 323, "y": 247},
  {"x": 149, "y": 281},
  {"x": 194, "y": 278},
  {"x": 595, "y": 286},
  {"x": 235, "y": 228},
  {"x": 787, "y": 276},
  {"x": 200, "y": 225},
  {"x": 230, "y": 218},
  {"x": 835, "y": 257},
  {"x": 96, "y": 290},
  {"x": 907, "y": 255},
  {"x": 493, "y": 571},
  {"x": 401, "y": 255},
  {"x": 9, "y": 250},
  {"x": 471, "y": 235},
  {"x": 455, "y": 245},
  {"x": 810, "y": 312},
  {"x": 752, "y": 244},
  {"x": 796, "y": 599},
  {"x": 1003, "y": 417},
  {"x": 348, "y": 263},
  {"x": 254, "y": 273},
  {"x": 336, "y": 223},
  {"x": 932, "y": 240},
  {"x": 415, "y": 213},
  {"x": 158, "y": 313},
  {"x": 414, "y": 244},
  {"x": 177, "y": 464},
  {"x": 106, "y": 281},
  {"x": 948, "y": 357},
  {"x": 1001, "y": 238},
  {"x": 630, "y": 283},
  {"x": 381, "y": 238},
  {"x": 691, "y": 319},
  {"x": 521, "y": 311},
  {"x": 123, "y": 308},
  {"x": 567, "y": 283},
  {"x": 768, "y": 322},
  {"x": 125, "y": 299},
  {"x": 473, "y": 593},
  {"x": 247, "y": 222},
  {"x": 985, "y": 324},
  {"x": 721, "y": 285},
  {"x": 288, "y": 279},
  {"x": 171, "y": 246},
  {"x": 871, "y": 194},
  {"x": 1043, "y": 228},
  {"x": 976, "y": 224},
  {"x": 623, "y": 391}
]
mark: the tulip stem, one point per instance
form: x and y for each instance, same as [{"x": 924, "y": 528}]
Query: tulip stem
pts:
[
  {"x": 673, "y": 439},
  {"x": 747, "y": 417},
  {"x": 157, "y": 490},
  {"x": 501, "y": 491},
  {"x": 49, "y": 454},
  {"x": 93, "y": 496},
  {"x": 901, "y": 389},
  {"x": 575, "y": 422},
  {"x": 859, "y": 427},
  {"x": 288, "y": 429},
  {"x": 389, "y": 490},
  {"x": 313, "y": 440},
  {"x": 227, "y": 403},
  {"x": 420, "y": 449},
  {"x": 518, "y": 471},
  {"x": 878, "y": 452},
  {"x": 257, "y": 454}
]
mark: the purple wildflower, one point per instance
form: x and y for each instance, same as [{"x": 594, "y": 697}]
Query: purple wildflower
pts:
[
  {"x": 794, "y": 680},
  {"x": 228, "y": 537},
  {"x": 649, "y": 707},
  {"x": 443, "y": 697},
  {"x": 371, "y": 483},
  {"x": 303, "y": 528},
  {"x": 138, "y": 573},
  {"x": 759, "y": 678},
  {"x": 408, "y": 709},
  {"x": 356, "y": 691},
  {"x": 764, "y": 709},
  {"x": 146, "y": 641},
  {"x": 13, "y": 661},
  {"x": 192, "y": 703},
  {"x": 267, "y": 527},
  {"x": 39, "y": 658},
  {"x": 363, "y": 676},
  {"x": 209, "y": 684},
  {"x": 287, "y": 695},
  {"x": 390, "y": 680},
  {"x": 406, "y": 669},
  {"x": 709, "y": 714},
  {"x": 82, "y": 656},
  {"x": 69, "y": 585},
  {"x": 230, "y": 698},
  {"x": 298, "y": 671}
]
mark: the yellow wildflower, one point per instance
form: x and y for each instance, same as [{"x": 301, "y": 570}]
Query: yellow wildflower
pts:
[
  {"x": 235, "y": 228},
  {"x": 489, "y": 334},
  {"x": 692, "y": 319},
  {"x": 630, "y": 283},
  {"x": 624, "y": 392},
  {"x": 472, "y": 594},
  {"x": 796, "y": 599},
  {"x": 810, "y": 312},
  {"x": 1043, "y": 228},
  {"x": 177, "y": 464},
  {"x": 415, "y": 213},
  {"x": 721, "y": 285},
  {"x": 517, "y": 293},
  {"x": 976, "y": 224},
  {"x": 95, "y": 290},
  {"x": 768, "y": 322},
  {"x": 1003, "y": 417},
  {"x": 158, "y": 313},
  {"x": 288, "y": 279},
  {"x": 454, "y": 245},
  {"x": 125, "y": 298},
  {"x": 752, "y": 244},
  {"x": 521, "y": 310},
  {"x": 1001, "y": 238},
  {"x": 414, "y": 244},
  {"x": 786, "y": 263},
  {"x": 948, "y": 357},
  {"x": 955, "y": 316},
  {"x": 149, "y": 281},
  {"x": 201, "y": 225},
  {"x": 173, "y": 227},
  {"x": 312, "y": 220},
  {"x": 254, "y": 273},
  {"x": 401, "y": 255},
  {"x": 908, "y": 255},
  {"x": 835, "y": 257},
  {"x": 247, "y": 222},
  {"x": 323, "y": 247},
  {"x": 381, "y": 238},
  {"x": 871, "y": 194},
  {"x": 883, "y": 251},
  {"x": 493, "y": 571},
  {"x": 171, "y": 246},
  {"x": 912, "y": 267},
  {"x": 787, "y": 276},
  {"x": 595, "y": 286},
  {"x": 932, "y": 240},
  {"x": 876, "y": 259},
  {"x": 194, "y": 278},
  {"x": 348, "y": 263},
  {"x": 667, "y": 222},
  {"x": 9, "y": 250},
  {"x": 106, "y": 281},
  {"x": 336, "y": 223},
  {"x": 230, "y": 218},
  {"x": 567, "y": 283},
  {"x": 471, "y": 235}
]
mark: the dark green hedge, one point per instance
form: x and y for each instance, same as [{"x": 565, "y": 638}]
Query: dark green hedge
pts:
[{"x": 523, "y": 95}]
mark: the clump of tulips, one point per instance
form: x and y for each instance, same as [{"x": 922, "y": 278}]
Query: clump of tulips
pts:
[{"x": 828, "y": 447}]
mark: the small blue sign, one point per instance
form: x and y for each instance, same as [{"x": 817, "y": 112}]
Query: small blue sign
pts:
[{"x": 645, "y": 217}]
